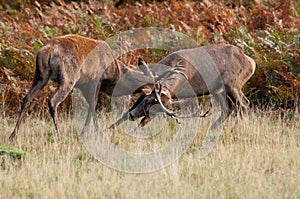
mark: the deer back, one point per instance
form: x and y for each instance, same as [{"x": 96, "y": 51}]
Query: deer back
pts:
[{"x": 207, "y": 69}]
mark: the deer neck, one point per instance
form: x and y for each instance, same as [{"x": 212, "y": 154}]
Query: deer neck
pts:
[{"x": 130, "y": 81}]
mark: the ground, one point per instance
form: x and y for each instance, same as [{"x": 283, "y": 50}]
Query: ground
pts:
[{"x": 259, "y": 161}]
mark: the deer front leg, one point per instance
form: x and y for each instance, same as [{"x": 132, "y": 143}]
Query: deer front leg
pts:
[{"x": 91, "y": 96}]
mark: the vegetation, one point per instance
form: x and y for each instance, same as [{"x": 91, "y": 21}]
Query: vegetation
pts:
[
  {"x": 261, "y": 161},
  {"x": 267, "y": 30}
]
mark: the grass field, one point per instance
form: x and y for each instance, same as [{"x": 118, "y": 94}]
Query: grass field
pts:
[{"x": 261, "y": 160}]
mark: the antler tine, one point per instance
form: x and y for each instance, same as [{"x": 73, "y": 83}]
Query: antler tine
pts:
[
  {"x": 171, "y": 71},
  {"x": 144, "y": 67},
  {"x": 182, "y": 73},
  {"x": 160, "y": 88},
  {"x": 178, "y": 64}
]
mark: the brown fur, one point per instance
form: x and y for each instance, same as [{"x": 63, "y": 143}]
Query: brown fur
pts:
[
  {"x": 221, "y": 70},
  {"x": 76, "y": 61}
]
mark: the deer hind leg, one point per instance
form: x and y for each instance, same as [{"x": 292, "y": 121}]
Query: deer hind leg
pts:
[
  {"x": 59, "y": 96},
  {"x": 91, "y": 96},
  {"x": 37, "y": 85},
  {"x": 226, "y": 109},
  {"x": 241, "y": 103}
]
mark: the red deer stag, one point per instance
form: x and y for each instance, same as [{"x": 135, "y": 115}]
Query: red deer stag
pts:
[
  {"x": 80, "y": 62},
  {"x": 220, "y": 69}
]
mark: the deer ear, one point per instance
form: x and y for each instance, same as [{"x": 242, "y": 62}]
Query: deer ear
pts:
[
  {"x": 141, "y": 61},
  {"x": 147, "y": 90},
  {"x": 144, "y": 67}
]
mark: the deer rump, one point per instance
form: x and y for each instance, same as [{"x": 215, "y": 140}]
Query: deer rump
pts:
[{"x": 220, "y": 70}]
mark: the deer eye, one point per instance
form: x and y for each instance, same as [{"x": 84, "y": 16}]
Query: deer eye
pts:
[{"x": 155, "y": 99}]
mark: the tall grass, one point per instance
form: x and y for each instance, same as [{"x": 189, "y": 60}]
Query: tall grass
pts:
[{"x": 260, "y": 160}]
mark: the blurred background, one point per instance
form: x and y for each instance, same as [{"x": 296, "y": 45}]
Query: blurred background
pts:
[{"x": 267, "y": 30}]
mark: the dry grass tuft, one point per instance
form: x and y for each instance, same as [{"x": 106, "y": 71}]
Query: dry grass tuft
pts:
[{"x": 259, "y": 161}]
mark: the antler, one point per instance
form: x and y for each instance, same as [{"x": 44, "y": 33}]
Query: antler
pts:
[
  {"x": 157, "y": 95},
  {"x": 172, "y": 113},
  {"x": 171, "y": 71},
  {"x": 177, "y": 69},
  {"x": 144, "y": 67},
  {"x": 178, "y": 64}
]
